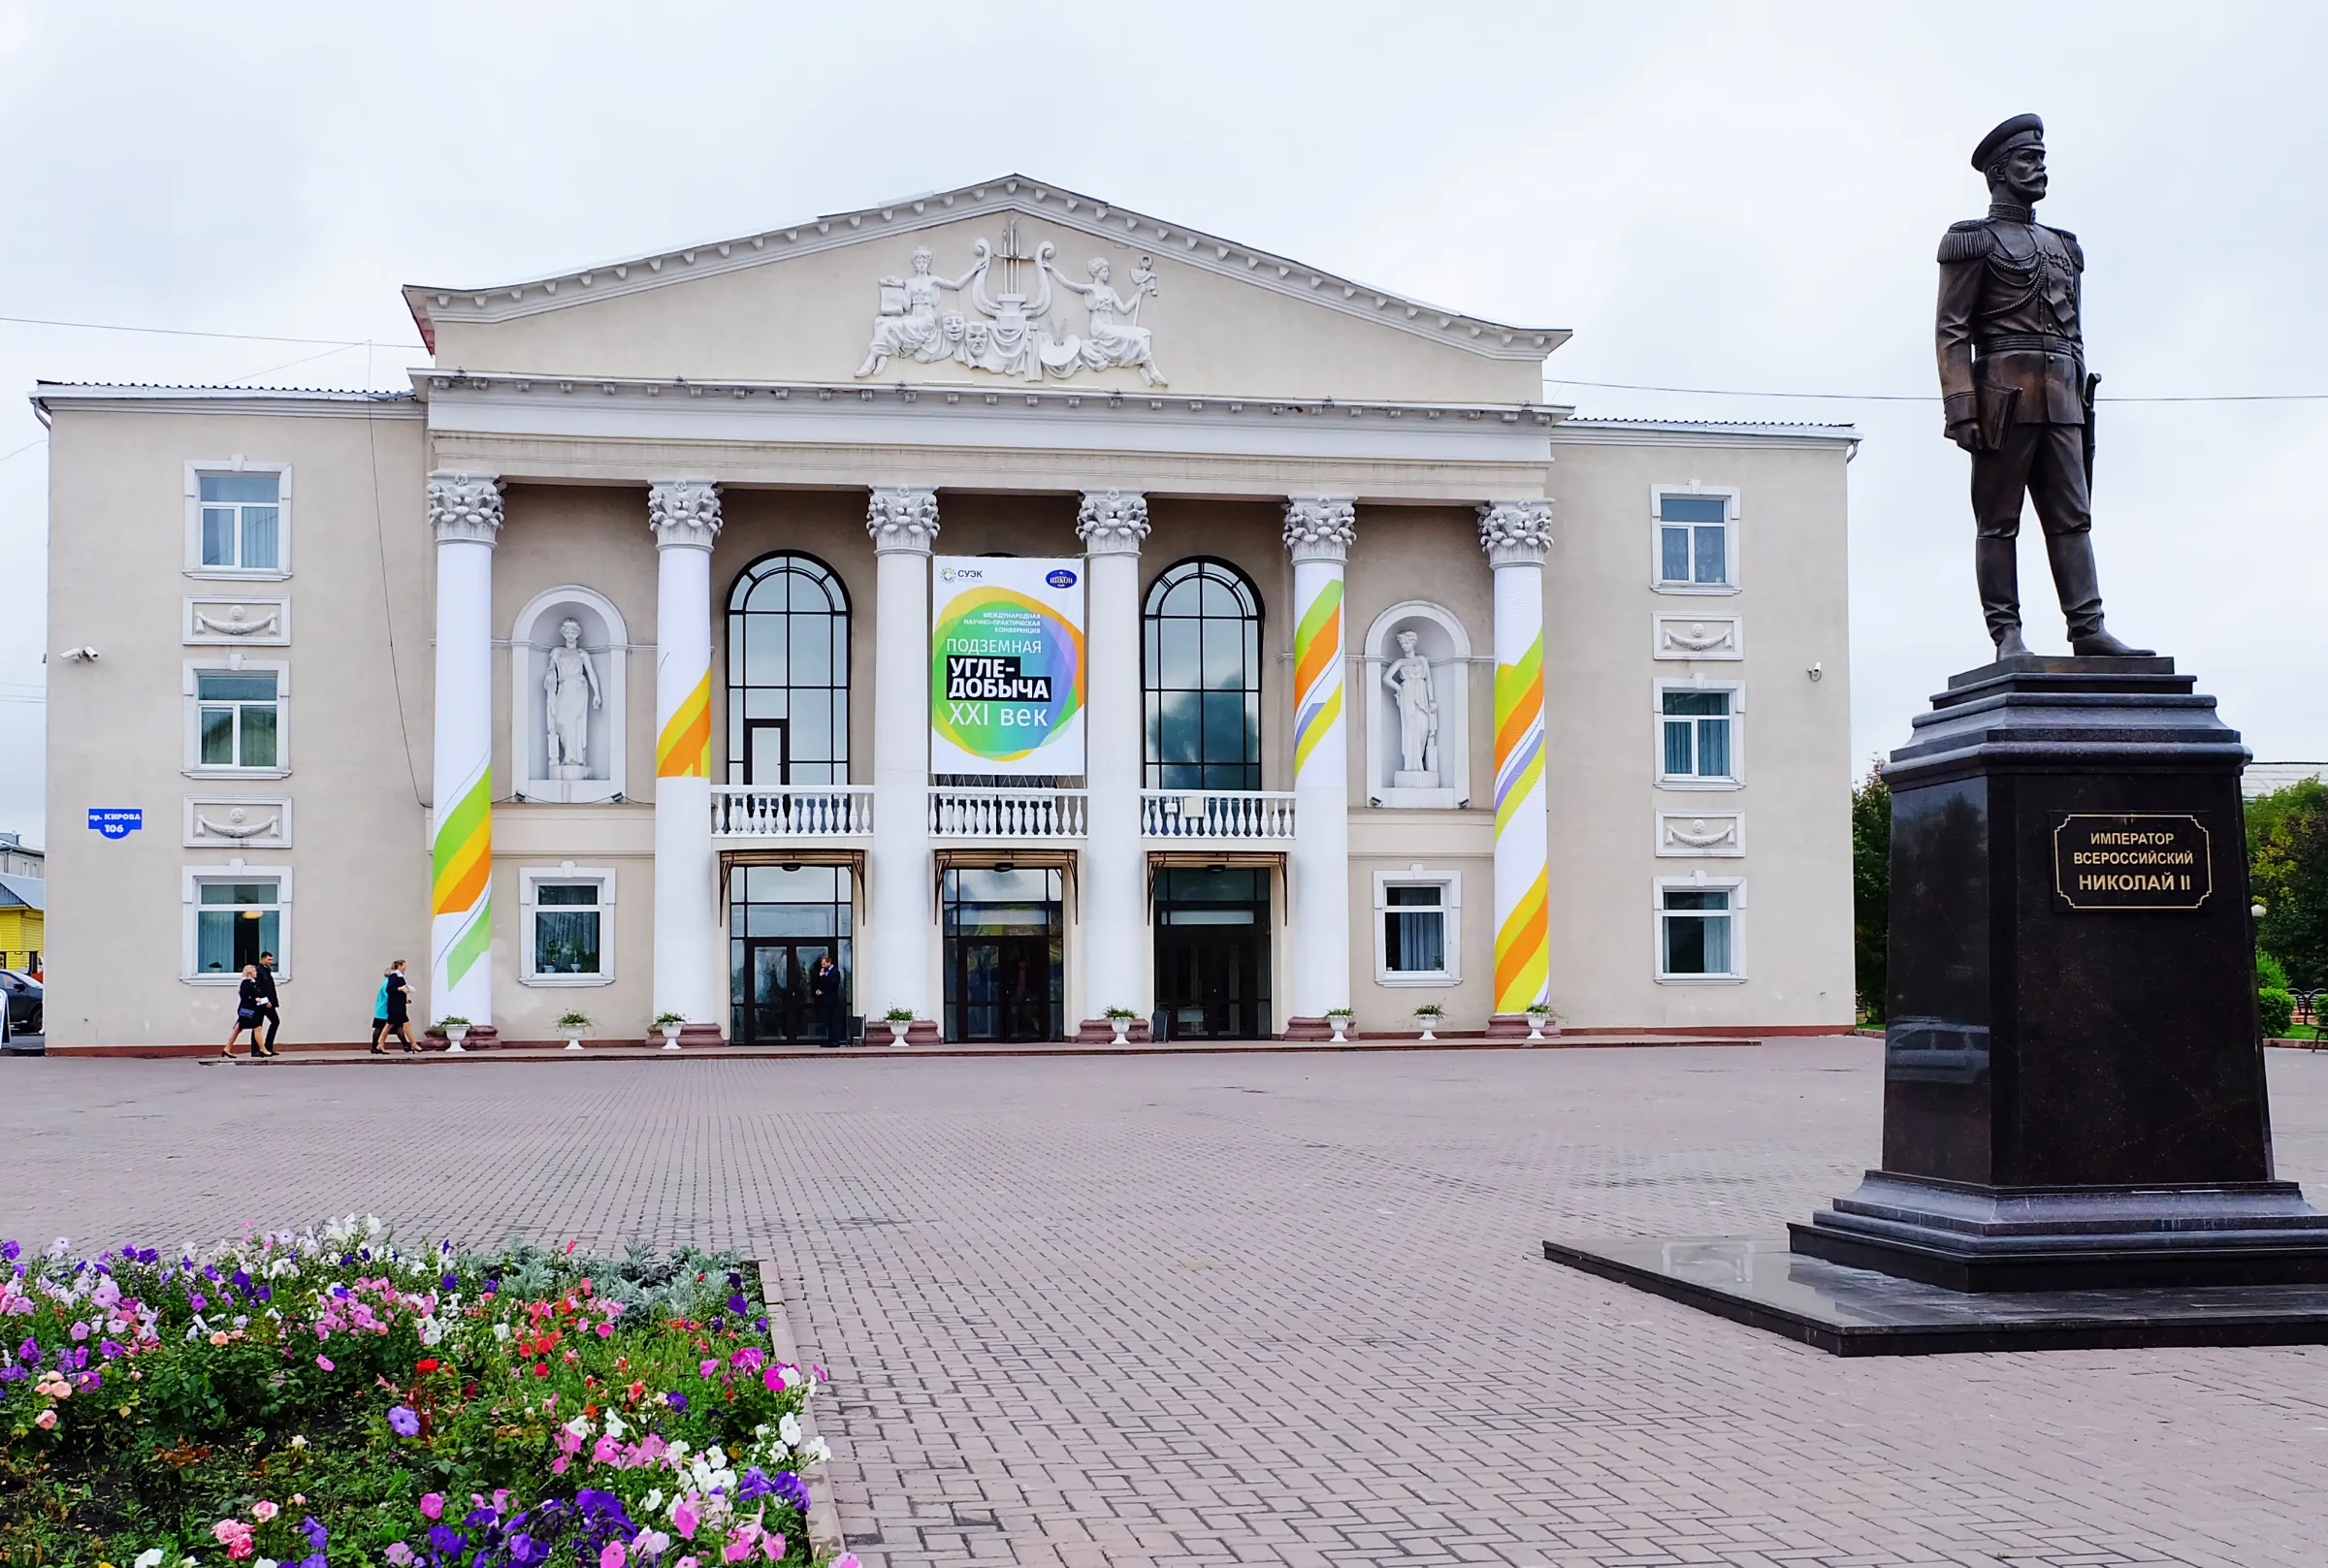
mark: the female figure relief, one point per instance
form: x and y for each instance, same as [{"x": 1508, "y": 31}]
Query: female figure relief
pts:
[{"x": 1116, "y": 337}]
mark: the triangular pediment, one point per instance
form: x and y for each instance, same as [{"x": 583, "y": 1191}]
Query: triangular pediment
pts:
[{"x": 1022, "y": 284}]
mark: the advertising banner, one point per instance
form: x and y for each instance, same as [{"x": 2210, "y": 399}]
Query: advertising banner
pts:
[{"x": 1005, "y": 653}]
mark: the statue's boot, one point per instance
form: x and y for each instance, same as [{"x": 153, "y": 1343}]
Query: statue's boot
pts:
[
  {"x": 2075, "y": 579},
  {"x": 1995, "y": 571}
]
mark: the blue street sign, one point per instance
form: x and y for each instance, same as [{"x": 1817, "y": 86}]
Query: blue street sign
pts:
[{"x": 117, "y": 821}]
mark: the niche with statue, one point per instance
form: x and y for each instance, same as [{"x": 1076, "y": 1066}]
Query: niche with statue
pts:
[
  {"x": 1419, "y": 747},
  {"x": 567, "y": 658}
]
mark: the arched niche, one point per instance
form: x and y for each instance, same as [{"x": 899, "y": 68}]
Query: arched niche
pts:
[
  {"x": 1440, "y": 639},
  {"x": 535, "y": 637}
]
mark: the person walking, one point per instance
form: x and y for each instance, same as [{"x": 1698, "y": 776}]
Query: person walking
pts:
[
  {"x": 270, "y": 1007},
  {"x": 824, "y": 990},
  {"x": 246, "y": 1012},
  {"x": 392, "y": 1010}
]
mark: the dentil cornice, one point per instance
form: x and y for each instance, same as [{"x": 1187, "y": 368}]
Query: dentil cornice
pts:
[
  {"x": 902, "y": 517},
  {"x": 1320, "y": 527},
  {"x": 1111, "y": 521},
  {"x": 683, "y": 513},
  {"x": 465, "y": 506}
]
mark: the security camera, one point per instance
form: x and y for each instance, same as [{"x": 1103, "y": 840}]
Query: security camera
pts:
[
  {"x": 1817, "y": 672},
  {"x": 80, "y": 656}
]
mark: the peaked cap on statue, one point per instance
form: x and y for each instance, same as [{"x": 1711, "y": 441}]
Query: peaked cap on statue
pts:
[{"x": 2013, "y": 133}]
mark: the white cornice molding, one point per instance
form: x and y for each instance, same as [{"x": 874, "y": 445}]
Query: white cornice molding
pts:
[
  {"x": 1011, "y": 193},
  {"x": 1052, "y": 420},
  {"x": 1704, "y": 434},
  {"x": 51, "y": 396}
]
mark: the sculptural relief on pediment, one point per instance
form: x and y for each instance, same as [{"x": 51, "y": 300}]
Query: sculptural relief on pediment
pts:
[{"x": 1011, "y": 328}]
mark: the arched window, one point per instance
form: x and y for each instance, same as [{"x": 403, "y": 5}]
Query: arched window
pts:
[
  {"x": 1203, "y": 678},
  {"x": 787, "y": 673}
]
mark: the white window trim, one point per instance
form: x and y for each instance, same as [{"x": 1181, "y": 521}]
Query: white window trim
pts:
[
  {"x": 1450, "y": 885},
  {"x": 236, "y": 664},
  {"x": 528, "y": 881},
  {"x": 1698, "y": 881},
  {"x": 1729, "y": 543},
  {"x": 191, "y": 881},
  {"x": 237, "y": 464},
  {"x": 1692, "y": 782}
]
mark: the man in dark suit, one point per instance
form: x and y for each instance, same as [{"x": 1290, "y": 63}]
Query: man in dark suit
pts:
[
  {"x": 824, "y": 990},
  {"x": 271, "y": 1009},
  {"x": 2016, "y": 392}
]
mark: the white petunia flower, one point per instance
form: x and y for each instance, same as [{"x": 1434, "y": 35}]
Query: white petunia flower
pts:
[
  {"x": 151, "y": 1558},
  {"x": 789, "y": 1429}
]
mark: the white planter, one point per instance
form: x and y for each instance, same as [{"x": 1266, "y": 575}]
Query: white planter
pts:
[
  {"x": 574, "y": 1042},
  {"x": 1429, "y": 1024},
  {"x": 1535, "y": 1030},
  {"x": 1340, "y": 1027},
  {"x": 454, "y": 1033},
  {"x": 1123, "y": 1028},
  {"x": 670, "y": 1036},
  {"x": 898, "y": 1028}
]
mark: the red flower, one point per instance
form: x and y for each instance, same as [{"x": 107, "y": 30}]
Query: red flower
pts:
[{"x": 429, "y": 1366}]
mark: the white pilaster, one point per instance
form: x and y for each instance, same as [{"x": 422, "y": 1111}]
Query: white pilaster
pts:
[
  {"x": 464, "y": 514},
  {"x": 897, "y": 960},
  {"x": 1318, "y": 532},
  {"x": 1118, "y": 959},
  {"x": 1516, "y": 536},
  {"x": 685, "y": 517}
]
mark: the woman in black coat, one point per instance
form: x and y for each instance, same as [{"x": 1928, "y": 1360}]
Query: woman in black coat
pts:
[{"x": 250, "y": 1012}]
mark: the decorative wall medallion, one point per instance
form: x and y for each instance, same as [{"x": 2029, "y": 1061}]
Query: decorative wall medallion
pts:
[
  {"x": 1694, "y": 636},
  {"x": 1013, "y": 338},
  {"x": 238, "y": 823},
  {"x": 1706, "y": 835},
  {"x": 237, "y": 622}
]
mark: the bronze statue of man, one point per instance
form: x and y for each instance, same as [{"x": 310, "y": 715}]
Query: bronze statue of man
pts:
[{"x": 2016, "y": 394}]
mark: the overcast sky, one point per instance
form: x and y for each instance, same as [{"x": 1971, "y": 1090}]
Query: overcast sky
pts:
[{"x": 1712, "y": 196}]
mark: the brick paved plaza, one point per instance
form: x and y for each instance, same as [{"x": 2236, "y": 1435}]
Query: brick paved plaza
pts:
[{"x": 1273, "y": 1308}]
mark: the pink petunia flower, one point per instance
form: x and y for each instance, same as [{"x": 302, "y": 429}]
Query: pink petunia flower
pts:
[
  {"x": 685, "y": 1518},
  {"x": 398, "y": 1554},
  {"x": 611, "y": 1555},
  {"x": 263, "y": 1511},
  {"x": 431, "y": 1505},
  {"x": 325, "y": 1362}
]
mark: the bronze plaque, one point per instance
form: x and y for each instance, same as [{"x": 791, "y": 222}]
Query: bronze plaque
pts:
[{"x": 2142, "y": 861}]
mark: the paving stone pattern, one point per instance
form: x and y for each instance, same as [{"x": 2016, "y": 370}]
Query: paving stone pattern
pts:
[{"x": 1267, "y": 1309}]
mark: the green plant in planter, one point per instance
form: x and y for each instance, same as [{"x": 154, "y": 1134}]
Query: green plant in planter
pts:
[
  {"x": 664, "y": 1020},
  {"x": 573, "y": 1019},
  {"x": 1539, "y": 1010},
  {"x": 1430, "y": 1009},
  {"x": 898, "y": 1015},
  {"x": 452, "y": 1020},
  {"x": 1113, "y": 1013}
]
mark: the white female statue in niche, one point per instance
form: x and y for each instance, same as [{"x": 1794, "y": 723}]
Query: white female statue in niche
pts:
[
  {"x": 571, "y": 686},
  {"x": 1408, "y": 677}
]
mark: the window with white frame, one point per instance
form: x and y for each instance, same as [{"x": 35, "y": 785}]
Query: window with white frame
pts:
[
  {"x": 1699, "y": 929},
  {"x": 234, "y": 914},
  {"x": 236, "y": 517},
  {"x": 1698, "y": 735},
  {"x": 567, "y": 924},
  {"x": 1418, "y": 928},
  {"x": 1696, "y": 539},
  {"x": 236, "y": 716}
]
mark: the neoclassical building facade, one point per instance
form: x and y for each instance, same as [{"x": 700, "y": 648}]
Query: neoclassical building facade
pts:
[{"x": 1032, "y": 607}]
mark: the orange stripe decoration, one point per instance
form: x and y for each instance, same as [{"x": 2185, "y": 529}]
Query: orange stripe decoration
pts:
[
  {"x": 684, "y": 748},
  {"x": 1523, "y": 949},
  {"x": 462, "y": 854}
]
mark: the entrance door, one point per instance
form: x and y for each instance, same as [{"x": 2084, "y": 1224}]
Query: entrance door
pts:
[
  {"x": 1002, "y": 988},
  {"x": 777, "y": 1006},
  {"x": 1212, "y": 953}
]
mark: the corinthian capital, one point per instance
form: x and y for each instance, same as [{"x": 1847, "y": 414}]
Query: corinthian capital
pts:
[
  {"x": 1111, "y": 521},
  {"x": 465, "y": 506},
  {"x": 1515, "y": 534},
  {"x": 902, "y": 517},
  {"x": 1320, "y": 527},
  {"x": 683, "y": 513}
]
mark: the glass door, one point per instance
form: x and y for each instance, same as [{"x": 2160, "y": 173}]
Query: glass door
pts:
[
  {"x": 780, "y": 921},
  {"x": 1005, "y": 970},
  {"x": 1212, "y": 953}
]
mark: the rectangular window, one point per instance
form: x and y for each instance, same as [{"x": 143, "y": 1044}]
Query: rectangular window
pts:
[
  {"x": 235, "y": 921},
  {"x": 1417, "y": 929},
  {"x": 242, "y": 521},
  {"x": 236, "y": 716},
  {"x": 1694, "y": 931},
  {"x": 565, "y": 928},
  {"x": 1697, "y": 728},
  {"x": 1693, "y": 540}
]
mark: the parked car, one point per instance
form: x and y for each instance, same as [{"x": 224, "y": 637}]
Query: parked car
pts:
[{"x": 24, "y": 997}]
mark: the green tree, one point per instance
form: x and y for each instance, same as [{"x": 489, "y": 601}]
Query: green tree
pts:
[
  {"x": 1871, "y": 888},
  {"x": 2288, "y": 870}
]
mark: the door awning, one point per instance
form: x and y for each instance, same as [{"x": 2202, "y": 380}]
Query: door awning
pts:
[{"x": 1004, "y": 859}]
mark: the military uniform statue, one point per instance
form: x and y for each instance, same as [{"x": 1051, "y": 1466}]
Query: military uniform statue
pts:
[{"x": 2016, "y": 394}]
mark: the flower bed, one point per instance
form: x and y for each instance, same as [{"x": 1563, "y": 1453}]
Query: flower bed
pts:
[{"x": 327, "y": 1399}]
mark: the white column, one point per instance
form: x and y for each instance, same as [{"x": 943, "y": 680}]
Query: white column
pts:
[
  {"x": 685, "y": 517},
  {"x": 465, "y": 512},
  {"x": 1318, "y": 530},
  {"x": 1516, "y": 534},
  {"x": 1117, "y": 958},
  {"x": 897, "y": 961}
]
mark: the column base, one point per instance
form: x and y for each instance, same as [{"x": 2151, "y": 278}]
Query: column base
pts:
[
  {"x": 700, "y": 1036},
  {"x": 1977, "y": 1239},
  {"x": 1307, "y": 1029},
  {"x": 923, "y": 1031},
  {"x": 1508, "y": 1026},
  {"x": 480, "y": 1037}
]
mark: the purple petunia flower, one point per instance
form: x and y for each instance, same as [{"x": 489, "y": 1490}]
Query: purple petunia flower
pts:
[
  {"x": 762, "y": 1324},
  {"x": 264, "y": 1293},
  {"x": 197, "y": 1302},
  {"x": 737, "y": 1304},
  {"x": 792, "y": 1489},
  {"x": 315, "y": 1533},
  {"x": 406, "y": 1422},
  {"x": 108, "y": 1349},
  {"x": 10, "y": 1250},
  {"x": 29, "y": 1351},
  {"x": 445, "y": 1540},
  {"x": 677, "y": 1401},
  {"x": 448, "y": 1282}
]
